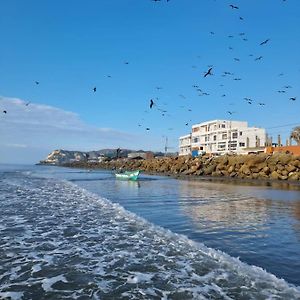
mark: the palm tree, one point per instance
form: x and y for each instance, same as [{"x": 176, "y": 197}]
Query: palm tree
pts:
[{"x": 295, "y": 135}]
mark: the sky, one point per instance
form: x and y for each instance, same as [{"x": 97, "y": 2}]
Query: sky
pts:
[{"x": 136, "y": 50}]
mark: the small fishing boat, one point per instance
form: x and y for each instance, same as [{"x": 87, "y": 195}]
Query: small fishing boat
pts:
[{"x": 128, "y": 175}]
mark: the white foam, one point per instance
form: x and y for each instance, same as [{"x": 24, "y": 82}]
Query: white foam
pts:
[
  {"x": 11, "y": 295},
  {"x": 48, "y": 282}
]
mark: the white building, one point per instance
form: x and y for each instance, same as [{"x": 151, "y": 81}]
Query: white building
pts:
[
  {"x": 185, "y": 144},
  {"x": 223, "y": 136}
]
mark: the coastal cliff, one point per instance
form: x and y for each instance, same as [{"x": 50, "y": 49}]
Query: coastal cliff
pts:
[{"x": 279, "y": 166}]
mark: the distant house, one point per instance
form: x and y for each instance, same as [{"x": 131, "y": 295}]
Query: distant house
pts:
[{"x": 140, "y": 155}]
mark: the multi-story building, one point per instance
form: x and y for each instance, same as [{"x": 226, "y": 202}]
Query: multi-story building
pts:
[
  {"x": 223, "y": 136},
  {"x": 185, "y": 144}
]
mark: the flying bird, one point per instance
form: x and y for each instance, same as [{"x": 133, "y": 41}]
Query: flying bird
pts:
[
  {"x": 94, "y": 89},
  {"x": 37, "y": 82},
  {"x": 151, "y": 103},
  {"x": 233, "y": 6},
  {"x": 26, "y": 104},
  {"x": 293, "y": 98},
  {"x": 147, "y": 128},
  {"x": 230, "y": 112},
  {"x": 208, "y": 72},
  {"x": 258, "y": 58},
  {"x": 4, "y": 111},
  {"x": 261, "y": 104},
  {"x": 264, "y": 42}
]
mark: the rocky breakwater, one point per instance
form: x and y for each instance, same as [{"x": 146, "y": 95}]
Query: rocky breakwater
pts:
[{"x": 279, "y": 166}]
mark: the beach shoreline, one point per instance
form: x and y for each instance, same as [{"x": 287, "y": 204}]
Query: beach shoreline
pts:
[{"x": 280, "y": 171}]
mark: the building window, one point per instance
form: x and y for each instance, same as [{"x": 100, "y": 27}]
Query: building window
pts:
[
  {"x": 223, "y": 125},
  {"x": 234, "y": 135},
  {"x": 241, "y": 133},
  {"x": 215, "y": 137},
  {"x": 221, "y": 147},
  {"x": 224, "y": 136},
  {"x": 196, "y": 140},
  {"x": 242, "y": 144}
]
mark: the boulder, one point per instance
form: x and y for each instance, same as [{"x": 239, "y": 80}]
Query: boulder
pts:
[{"x": 274, "y": 175}]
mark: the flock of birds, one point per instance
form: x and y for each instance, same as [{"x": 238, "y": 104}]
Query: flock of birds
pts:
[{"x": 209, "y": 72}]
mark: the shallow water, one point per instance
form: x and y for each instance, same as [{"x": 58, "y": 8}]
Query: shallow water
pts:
[{"x": 60, "y": 238}]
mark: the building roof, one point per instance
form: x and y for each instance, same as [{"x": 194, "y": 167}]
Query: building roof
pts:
[{"x": 217, "y": 121}]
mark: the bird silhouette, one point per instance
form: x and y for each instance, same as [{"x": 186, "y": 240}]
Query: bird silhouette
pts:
[
  {"x": 230, "y": 112},
  {"x": 264, "y": 42},
  {"x": 241, "y": 18},
  {"x": 186, "y": 124},
  {"x": 236, "y": 59},
  {"x": 261, "y": 104},
  {"x": 126, "y": 62},
  {"x": 208, "y": 72},
  {"x": 27, "y": 103},
  {"x": 147, "y": 128},
  {"x": 151, "y": 103},
  {"x": 293, "y": 98},
  {"x": 95, "y": 89},
  {"x": 37, "y": 82},
  {"x": 233, "y": 6},
  {"x": 258, "y": 58},
  {"x": 4, "y": 111}
]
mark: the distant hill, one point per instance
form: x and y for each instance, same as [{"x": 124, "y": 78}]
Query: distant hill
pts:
[{"x": 59, "y": 157}]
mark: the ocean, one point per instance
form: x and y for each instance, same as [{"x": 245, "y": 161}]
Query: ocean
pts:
[{"x": 80, "y": 234}]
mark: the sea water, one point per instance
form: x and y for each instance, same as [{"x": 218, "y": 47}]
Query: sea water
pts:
[{"x": 75, "y": 234}]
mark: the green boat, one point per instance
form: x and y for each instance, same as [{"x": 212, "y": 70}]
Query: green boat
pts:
[{"x": 128, "y": 175}]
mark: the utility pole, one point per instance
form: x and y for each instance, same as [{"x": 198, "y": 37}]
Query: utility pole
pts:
[
  {"x": 166, "y": 146},
  {"x": 229, "y": 137}
]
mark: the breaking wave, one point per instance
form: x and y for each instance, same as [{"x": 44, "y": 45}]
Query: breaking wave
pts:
[{"x": 60, "y": 241}]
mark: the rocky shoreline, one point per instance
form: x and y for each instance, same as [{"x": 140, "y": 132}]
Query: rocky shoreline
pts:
[{"x": 276, "y": 167}]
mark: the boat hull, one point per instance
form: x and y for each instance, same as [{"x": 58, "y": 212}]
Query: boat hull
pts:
[{"x": 128, "y": 175}]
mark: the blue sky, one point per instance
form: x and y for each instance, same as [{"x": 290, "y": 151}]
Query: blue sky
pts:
[{"x": 72, "y": 46}]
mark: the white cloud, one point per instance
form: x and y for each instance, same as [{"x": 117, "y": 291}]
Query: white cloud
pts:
[{"x": 39, "y": 128}]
